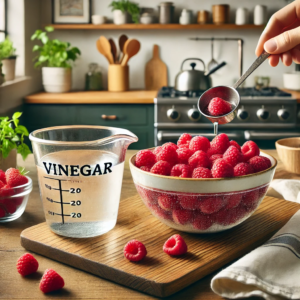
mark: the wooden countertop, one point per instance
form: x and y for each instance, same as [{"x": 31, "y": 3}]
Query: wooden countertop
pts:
[
  {"x": 295, "y": 94},
  {"x": 97, "y": 97},
  {"x": 79, "y": 285}
]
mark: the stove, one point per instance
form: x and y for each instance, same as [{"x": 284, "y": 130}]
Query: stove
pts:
[{"x": 264, "y": 116}]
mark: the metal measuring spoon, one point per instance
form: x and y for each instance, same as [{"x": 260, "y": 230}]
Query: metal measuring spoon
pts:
[{"x": 229, "y": 94}]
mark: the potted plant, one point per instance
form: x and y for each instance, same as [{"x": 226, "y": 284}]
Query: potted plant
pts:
[
  {"x": 1, "y": 74},
  {"x": 122, "y": 8},
  {"x": 8, "y": 59},
  {"x": 55, "y": 58},
  {"x": 12, "y": 141}
]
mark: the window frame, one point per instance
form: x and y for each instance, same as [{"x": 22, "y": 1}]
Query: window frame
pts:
[{"x": 5, "y": 16}]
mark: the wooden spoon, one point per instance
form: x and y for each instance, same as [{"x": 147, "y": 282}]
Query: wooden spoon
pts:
[
  {"x": 122, "y": 40},
  {"x": 104, "y": 48},
  {"x": 113, "y": 49},
  {"x": 131, "y": 48}
]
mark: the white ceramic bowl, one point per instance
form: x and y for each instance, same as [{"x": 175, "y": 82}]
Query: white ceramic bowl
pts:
[
  {"x": 291, "y": 81},
  {"x": 202, "y": 205}
]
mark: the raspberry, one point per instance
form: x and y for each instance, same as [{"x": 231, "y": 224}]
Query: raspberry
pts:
[
  {"x": 168, "y": 153},
  {"x": 214, "y": 157},
  {"x": 220, "y": 143},
  {"x": 175, "y": 245},
  {"x": 258, "y": 163},
  {"x": 242, "y": 169},
  {"x": 221, "y": 169},
  {"x": 161, "y": 213},
  {"x": 27, "y": 264},
  {"x": 184, "y": 140},
  {"x": 212, "y": 151},
  {"x": 149, "y": 197},
  {"x": 6, "y": 191},
  {"x": 2, "y": 184},
  {"x": 170, "y": 144},
  {"x": 235, "y": 144},
  {"x": 202, "y": 222},
  {"x": 135, "y": 250},
  {"x": 233, "y": 156},
  {"x": 167, "y": 202},
  {"x": 218, "y": 107},
  {"x": 8, "y": 205},
  {"x": 17, "y": 200},
  {"x": 184, "y": 154},
  {"x": 199, "y": 159},
  {"x": 183, "y": 171},
  {"x": 161, "y": 168},
  {"x": 51, "y": 281},
  {"x": 250, "y": 198},
  {"x": 262, "y": 191},
  {"x": 226, "y": 216},
  {"x": 182, "y": 216},
  {"x": 199, "y": 143},
  {"x": 267, "y": 160},
  {"x": 15, "y": 178},
  {"x": 250, "y": 149},
  {"x": 157, "y": 150},
  {"x": 2, "y": 176},
  {"x": 201, "y": 173},
  {"x": 233, "y": 200},
  {"x": 145, "y": 168},
  {"x": 2, "y": 212},
  {"x": 211, "y": 204},
  {"x": 145, "y": 158},
  {"x": 189, "y": 202}
]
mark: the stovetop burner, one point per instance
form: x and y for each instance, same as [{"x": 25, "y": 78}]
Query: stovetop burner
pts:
[{"x": 170, "y": 92}]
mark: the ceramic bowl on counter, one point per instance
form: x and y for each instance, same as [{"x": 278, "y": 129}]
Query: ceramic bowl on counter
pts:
[
  {"x": 13, "y": 201},
  {"x": 202, "y": 205}
]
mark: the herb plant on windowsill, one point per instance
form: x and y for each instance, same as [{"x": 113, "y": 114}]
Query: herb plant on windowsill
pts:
[
  {"x": 12, "y": 141},
  {"x": 121, "y": 8},
  {"x": 8, "y": 59},
  {"x": 56, "y": 58}
]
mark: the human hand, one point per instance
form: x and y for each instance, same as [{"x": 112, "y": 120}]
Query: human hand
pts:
[{"x": 281, "y": 37}]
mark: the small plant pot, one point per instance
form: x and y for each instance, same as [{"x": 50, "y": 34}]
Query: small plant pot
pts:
[
  {"x": 9, "y": 68},
  {"x": 1, "y": 75},
  {"x": 57, "y": 80},
  {"x": 10, "y": 161},
  {"x": 120, "y": 17}
]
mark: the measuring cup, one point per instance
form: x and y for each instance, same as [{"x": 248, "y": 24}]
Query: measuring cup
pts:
[{"x": 80, "y": 171}]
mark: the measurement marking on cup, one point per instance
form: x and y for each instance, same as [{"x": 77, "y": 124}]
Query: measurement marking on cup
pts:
[{"x": 72, "y": 203}]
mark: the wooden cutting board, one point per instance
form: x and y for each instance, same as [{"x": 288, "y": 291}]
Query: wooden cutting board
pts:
[
  {"x": 158, "y": 274},
  {"x": 156, "y": 74}
]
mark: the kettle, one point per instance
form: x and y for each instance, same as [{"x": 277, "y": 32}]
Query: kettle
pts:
[{"x": 194, "y": 80}]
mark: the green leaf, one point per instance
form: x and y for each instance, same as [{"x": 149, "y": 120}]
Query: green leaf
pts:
[
  {"x": 36, "y": 48},
  {"x": 49, "y": 28},
  {"x": 22, "y": 130},
  {"x": 16, "y": 115},
  {"x": 7, "y": 146},
  {"x": 24, "y": 150}
]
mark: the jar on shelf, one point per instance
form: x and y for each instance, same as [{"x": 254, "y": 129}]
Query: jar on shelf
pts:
[{"x": 93, "y": 78}]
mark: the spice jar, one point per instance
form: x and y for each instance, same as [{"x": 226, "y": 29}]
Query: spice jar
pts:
[
  {"x": 93, "y": 78},
  {"x": 166, "y": 12}
]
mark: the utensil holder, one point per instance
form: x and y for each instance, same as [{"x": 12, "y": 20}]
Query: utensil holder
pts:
[
  {"x": 118, "y": 78},
  {"x": 220, "y": 14},
  {"x": 203, "y": 17}
]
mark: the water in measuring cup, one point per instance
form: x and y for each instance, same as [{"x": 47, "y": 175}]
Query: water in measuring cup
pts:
[{"x": 80, "y": 191}]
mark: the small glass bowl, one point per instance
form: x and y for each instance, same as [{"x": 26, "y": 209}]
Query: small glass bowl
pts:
[{"x": 13, "y": 201}]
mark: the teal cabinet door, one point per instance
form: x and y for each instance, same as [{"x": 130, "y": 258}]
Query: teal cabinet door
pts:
[{"x": 138, "y": 118}]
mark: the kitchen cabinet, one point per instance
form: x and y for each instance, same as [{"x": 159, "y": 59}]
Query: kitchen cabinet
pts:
[{"x": 138, "y": 118}]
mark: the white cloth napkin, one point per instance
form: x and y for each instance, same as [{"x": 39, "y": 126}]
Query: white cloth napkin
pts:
[{"x": 271, "y": 271}]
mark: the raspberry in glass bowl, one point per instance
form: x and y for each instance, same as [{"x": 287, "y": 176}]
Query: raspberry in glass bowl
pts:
[
  {"x": 13, "y": 201},
  {"x": 202, "y": 205}
]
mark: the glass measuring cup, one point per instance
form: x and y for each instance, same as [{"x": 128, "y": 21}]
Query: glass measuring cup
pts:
[{"x": 80, "y": 171}]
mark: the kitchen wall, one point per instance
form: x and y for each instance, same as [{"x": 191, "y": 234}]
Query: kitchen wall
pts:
[{"x": 174, "y": 44}]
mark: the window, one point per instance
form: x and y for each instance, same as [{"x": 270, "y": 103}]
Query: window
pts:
[{"x": 3, "y": 19}]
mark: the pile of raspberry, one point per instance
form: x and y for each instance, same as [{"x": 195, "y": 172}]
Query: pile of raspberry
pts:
[
  {"x": 197, "y": 157},
  {"x": 9, "y": 180}
]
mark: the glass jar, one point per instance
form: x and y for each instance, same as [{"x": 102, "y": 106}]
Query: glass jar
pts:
[{"x": 93, "y": 78}]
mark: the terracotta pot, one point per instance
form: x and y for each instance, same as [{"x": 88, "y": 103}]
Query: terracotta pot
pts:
[{"x": 10, "y": 161}]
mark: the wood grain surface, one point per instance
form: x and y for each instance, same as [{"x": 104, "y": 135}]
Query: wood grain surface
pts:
[
  {"x": 158, "y": 274},
  {"x": 79, "y": 284},
  {"x": 101, "y": 97},
  {"x": 156, "y": 73}
]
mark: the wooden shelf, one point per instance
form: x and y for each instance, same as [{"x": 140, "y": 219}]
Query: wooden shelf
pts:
[
  {"x": 98, "y": 97},
  {"x": 156, "y": 26}
]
